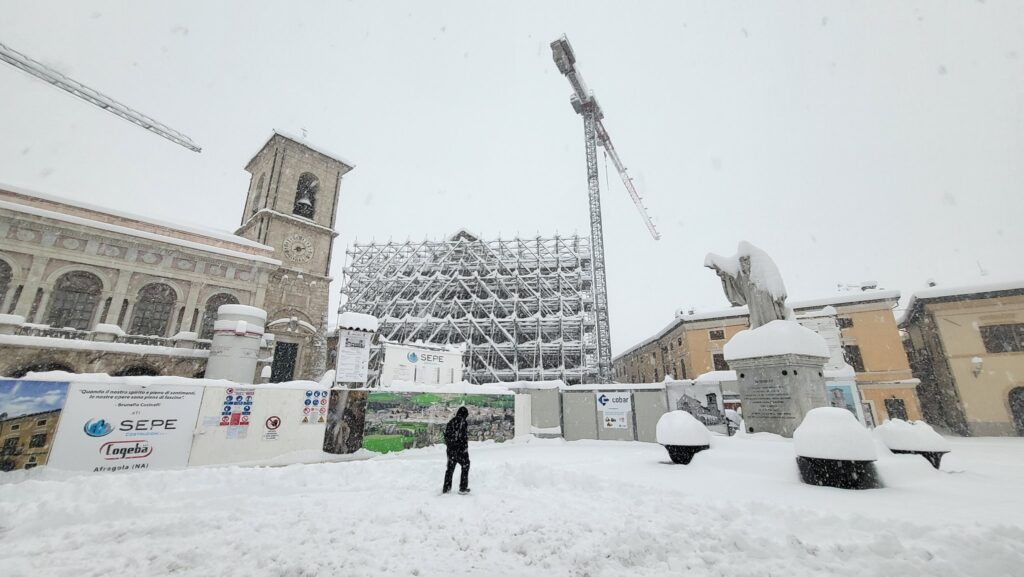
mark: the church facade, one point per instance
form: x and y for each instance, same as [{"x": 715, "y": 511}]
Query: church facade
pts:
[{"x": 87, "y": 289}]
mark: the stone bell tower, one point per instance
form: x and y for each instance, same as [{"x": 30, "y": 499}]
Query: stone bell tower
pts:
[{"x": 292, "y": 206}]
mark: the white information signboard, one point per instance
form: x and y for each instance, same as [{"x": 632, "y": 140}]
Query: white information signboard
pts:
[
  {"x": 613, "y": 408},
  {"x": 353, "y": 356},
  {"x": 422, "y": 365},
  {"x": 111, "y": 427}
]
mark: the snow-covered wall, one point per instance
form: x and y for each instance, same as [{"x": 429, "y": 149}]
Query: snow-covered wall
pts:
[
  {"x": 98, "y": 423},
  {"x": 271, "y": 421}
]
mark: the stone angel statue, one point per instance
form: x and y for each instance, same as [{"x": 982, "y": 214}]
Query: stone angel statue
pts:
[{"x": 751, "y": 278}]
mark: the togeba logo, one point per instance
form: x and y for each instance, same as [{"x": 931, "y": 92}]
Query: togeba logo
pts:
[
  {"x": 412, "y": 357},
  {"x": 98, "y": 427},
  {"x": 117, "y": 450}
]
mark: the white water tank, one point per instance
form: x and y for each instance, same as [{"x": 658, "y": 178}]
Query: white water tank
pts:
[{"x": 235, "y": 351}]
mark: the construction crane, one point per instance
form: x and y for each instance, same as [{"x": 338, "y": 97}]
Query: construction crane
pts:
[
  {"x": 40, "y": 70},
  {"x": 594, "y": 133}
]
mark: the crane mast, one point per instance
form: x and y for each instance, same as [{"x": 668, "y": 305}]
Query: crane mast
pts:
[{"x": 594, "y": 133}]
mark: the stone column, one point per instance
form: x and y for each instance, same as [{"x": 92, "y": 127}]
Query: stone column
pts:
[
  {"x": 33, "y": 280},
  {"x": 44, "y": 303},
  {"x": 190, "y": 306},
  {"x": 118, "y": 296}
]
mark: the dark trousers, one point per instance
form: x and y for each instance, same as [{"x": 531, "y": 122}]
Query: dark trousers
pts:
[{"x": 460, "y": 458}]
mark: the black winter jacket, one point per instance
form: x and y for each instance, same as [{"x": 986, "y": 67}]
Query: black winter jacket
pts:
[{"x": 456, "y": 433}]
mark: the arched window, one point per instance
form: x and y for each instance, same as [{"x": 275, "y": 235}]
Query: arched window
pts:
[
  {"x": 42, "y": 367},
  {"x": 210, "y": 312},
  {"x": 5, "y": 279},
  {"x": 152, "y": 313},
  {"x": 256, "y": 195},
  {"x": 137, "y": 371},
  {"x": 305, "y": 195},
  {"x": 74, "y": 300}
]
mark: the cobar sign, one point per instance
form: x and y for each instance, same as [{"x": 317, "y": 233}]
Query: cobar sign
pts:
[{"x": 614, "y": 402}]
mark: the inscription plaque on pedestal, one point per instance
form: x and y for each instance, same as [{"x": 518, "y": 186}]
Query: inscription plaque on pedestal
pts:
[{"x": 777, "y": 391}]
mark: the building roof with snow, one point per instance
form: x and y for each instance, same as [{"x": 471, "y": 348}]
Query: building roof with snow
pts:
[
  {"x": 301, "y": 142},
  {"x": 915, "y": 306},
  {"x": 843, "y": 299},
  {"x": 38, "y": 205}
]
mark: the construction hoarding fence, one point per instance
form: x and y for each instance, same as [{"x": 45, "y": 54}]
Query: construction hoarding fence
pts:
[{"x": 122, "y": 424}]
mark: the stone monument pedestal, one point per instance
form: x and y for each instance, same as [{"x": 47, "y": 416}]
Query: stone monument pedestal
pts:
[{"x": 777, "y": 391}]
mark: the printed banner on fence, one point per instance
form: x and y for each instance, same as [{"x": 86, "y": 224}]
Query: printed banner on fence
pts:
[
  {"x": 29, "y": 413},
  {"x": 406, "y": 420},
  {"x": 703, "y": 401},
  {"x": 112, "y": 427}
]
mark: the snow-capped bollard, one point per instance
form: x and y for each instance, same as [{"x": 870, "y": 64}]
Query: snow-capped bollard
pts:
[
  {"x": 682, "y": 435},
  {"x": 234, "y": 352},
  {"x": 917, "y": 438},
  {"x": 834, "y": 450}
]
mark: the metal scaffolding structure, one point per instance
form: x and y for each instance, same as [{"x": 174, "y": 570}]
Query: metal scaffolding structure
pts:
[{"x": 523, "y": 308}]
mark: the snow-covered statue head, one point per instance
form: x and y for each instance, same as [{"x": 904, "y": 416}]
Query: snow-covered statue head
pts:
[{"x": 751, "y": 278}]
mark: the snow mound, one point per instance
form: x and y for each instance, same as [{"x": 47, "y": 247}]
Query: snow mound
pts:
[
  {"x": 833, "y": 433},
  {"x": 775, "y": 338},
  {"x": 109, "y": 329},
  {"x": 846, "y": 372},
  {"x": 327, "y": 381},
  {"x": 682, "y": 429},
  {"x": 899, "y": 435},
  {"x": 358, "y": 322},
  {"x": 716, "y": 377},
  {"x": 733, "y": 416},
  {"x": 243, "y": 310},
  {"x": 11, "y": 319}
]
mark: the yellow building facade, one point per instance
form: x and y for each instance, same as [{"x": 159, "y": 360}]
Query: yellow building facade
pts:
[
  {"x": 967, "y": 347},
  {"x": 25, "y": 440},
  {"x": 692, "y": 344}
]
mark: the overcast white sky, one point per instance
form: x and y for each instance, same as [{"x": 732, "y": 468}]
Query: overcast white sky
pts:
[{"x": 850, "y": 140}]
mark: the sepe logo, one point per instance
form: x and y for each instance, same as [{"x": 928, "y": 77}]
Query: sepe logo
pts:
[
  {"x": 118, "y": 450},
  {"x": 98, "y": 428},
  {"x": 412, "y": 357}
]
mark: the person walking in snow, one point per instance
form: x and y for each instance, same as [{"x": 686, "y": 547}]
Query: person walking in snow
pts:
[{"x": 456, "y": 437}]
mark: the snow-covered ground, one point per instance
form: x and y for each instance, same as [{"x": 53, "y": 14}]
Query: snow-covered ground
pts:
[{"x": 542, "y": 507}]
